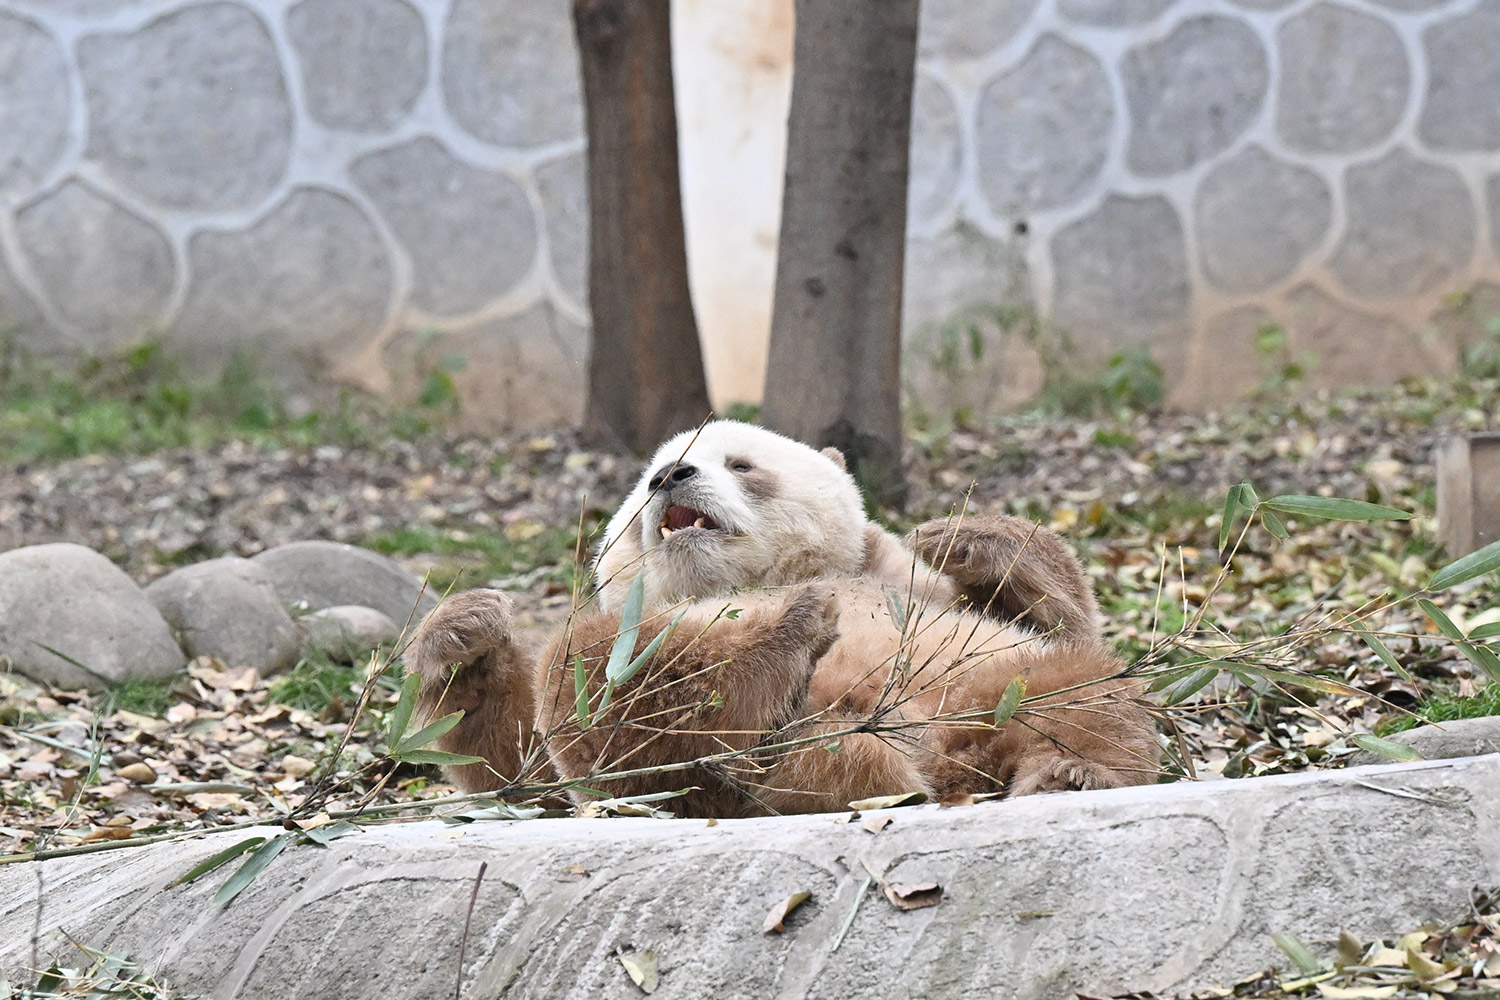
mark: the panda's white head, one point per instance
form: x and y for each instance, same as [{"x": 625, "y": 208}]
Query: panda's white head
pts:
[{"x": 732, "y": 505}]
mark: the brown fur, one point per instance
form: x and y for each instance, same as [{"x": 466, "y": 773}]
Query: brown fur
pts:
[{"x": 813, "y": 664}]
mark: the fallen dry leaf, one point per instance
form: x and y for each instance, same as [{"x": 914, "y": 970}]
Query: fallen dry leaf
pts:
[
  {"x": 913, "y": 897},
  {"x": 888, "y": 801},
  {"x": 641, "y": 967},
  {"x": 775, "y": 920},
  {"x": 876, "y": 823},
  {"x": 955, "y": 800}
]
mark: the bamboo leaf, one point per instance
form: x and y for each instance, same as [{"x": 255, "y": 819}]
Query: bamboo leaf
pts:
[
  {"x": 1486, "y": 658},
  {"x": 1231, "y": 514},
  {"x": 580, "y": 691},
  {"x": 1476, "y": 563},
  {"x": 216, "y": 860},
  {"x": 1333, "y": 508},
  {"x": 1381, "y": 650},
  {"x": 1192, "y": 684},
  {"x": 897, "y": 607},
  {"x": 428, "y": 733},
  {"x": 1386, "y": 748},
  {"x": 1485, "y": 631},
  {"x": 321, "y": 835},
  {"x": 1274, "y": 526},
  {"x": 634, "y": 666},
  {"x": 434, "y": 757},
  {"x": 253, "y": 866},
  {"x": 1010, "y": 701},
  {"x": 1310, "y": 681},
  {"x": 1298, "y": 953},
  {"x": 1481, "y": 656},
  {"x": 405, "y": 705},
  {"x": 81, "y": 666},
  {"x": 1442, "y": 621},
  {"x": 630, "y": 626}
]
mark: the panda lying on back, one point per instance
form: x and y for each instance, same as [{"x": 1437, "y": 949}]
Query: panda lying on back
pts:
[{"x": 793, "y": 633}]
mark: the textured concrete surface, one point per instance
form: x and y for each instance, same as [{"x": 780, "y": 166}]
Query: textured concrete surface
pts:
[
  {"x": 341, "y": 184},
  {"x": 1162, "y": 888}
]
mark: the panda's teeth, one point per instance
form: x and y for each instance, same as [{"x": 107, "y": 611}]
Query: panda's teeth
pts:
[
  {"x": 698, "y": 523},
  {"x": 666, "y": 532}
]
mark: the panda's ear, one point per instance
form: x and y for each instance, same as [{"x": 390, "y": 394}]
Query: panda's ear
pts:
[{"x": 836, "y": 456}]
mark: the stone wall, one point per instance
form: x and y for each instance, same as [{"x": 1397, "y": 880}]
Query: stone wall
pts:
[
  {"x": 365, "y": 187},
  {"x": 1177, "y": 174}
]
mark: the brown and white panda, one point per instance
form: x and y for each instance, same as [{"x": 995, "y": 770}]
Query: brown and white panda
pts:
[{"x": 813, "y": 658}]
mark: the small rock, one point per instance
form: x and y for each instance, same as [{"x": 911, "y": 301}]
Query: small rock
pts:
[
  {"x": 137, "y": 774},
  {"x": 1440, "y": 741},
  {"x": 328, "y": 574},
  {"x": 297, "y": 767},
  {"x": 75, "y": 601},
  {"x": 348, "y": 631},
  {"x": 228, "y": 608}
]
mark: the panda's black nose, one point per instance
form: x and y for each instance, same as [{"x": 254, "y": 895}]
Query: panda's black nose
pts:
[{"x": 672, "y": 475}]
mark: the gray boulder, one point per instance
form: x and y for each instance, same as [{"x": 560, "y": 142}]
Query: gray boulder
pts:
[
  {"x": 328, "y": 574},
  {"x": 347, "y": 632},
  {"x": 229, "y": 608},
  {"x": 75, "y": 601},
  {"x": 1459, "y": 738}
]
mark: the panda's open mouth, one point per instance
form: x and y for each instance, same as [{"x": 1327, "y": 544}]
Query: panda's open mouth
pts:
[{"x": 679, "y": 518}]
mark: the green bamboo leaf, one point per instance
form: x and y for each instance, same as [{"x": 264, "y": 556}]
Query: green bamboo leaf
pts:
[
  {"x": 1481, "y": 656},
  {"x": 217, "y": 860},
  {"x": 634, "y": 666},
  {"x": 253, "y": 866},
  {"x": 1298, "y": 953},
  {"x": 1192, "y": 684},
  {"x": 630, "y": 627},
  {"x": 108, "y": 682},
  {"x": 1442, "y": 621},
  {"x": 1381, "y": 650},
  {"x": 1485, "y": 631},
  {"x": 1249, "y": 499},
  {"x": 1231, "y": 514},
  {"x": 581, "y": 691},
  {"x": 434, "y": 757},
  {"x": 405, "y": 705},
  {"x": 1010, "y": 701},
  {"x": 1486, "y": 658},
  {"x": 1476, "y": 563},
  {"x": 1310, "y": 681},
  {"x": 1333, "y": 508},
  {"x": 1171, "y": 676},
  {"x": 321, "y": 835},
  {"x": 1274, "y": 526},
  {"x": 1386, "y": 748},
  {"x": 428, "y": 733},
  {"x": 896, "y": 606},
  {"x": 606, "y": 697}
]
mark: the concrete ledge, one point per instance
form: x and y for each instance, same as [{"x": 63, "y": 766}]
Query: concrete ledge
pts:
[{"x": 1163, "y": 888}]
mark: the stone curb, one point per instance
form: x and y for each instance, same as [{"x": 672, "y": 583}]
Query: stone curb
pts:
[{"x": 1165, "y": 888}]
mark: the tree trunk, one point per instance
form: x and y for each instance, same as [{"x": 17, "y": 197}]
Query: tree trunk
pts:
[
  {"x": 833, "y": 376},
  {"x": 646, "y": 367}
]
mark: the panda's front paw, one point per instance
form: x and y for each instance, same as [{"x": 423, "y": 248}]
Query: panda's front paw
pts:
[{"x": 458, "y": 632}]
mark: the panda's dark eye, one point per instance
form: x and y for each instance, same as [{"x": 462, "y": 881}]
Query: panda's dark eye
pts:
[{"x": 739, "y": 465}]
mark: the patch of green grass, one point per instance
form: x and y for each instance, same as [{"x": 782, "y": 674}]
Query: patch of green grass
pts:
[
  {"x": 139, "y": 400},
  {"x": 315, "y": 683},
  {"x": 143, "y": 697},
  {"x": 469, "y": 558},
  {"x": 1443, "y": 707}
]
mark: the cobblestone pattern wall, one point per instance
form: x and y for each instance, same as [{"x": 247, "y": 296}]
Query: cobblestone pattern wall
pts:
[
  {"x": 363, "y": 185},
  {"x": 371, "y": 185},
  {"x": 1176, "y": 173}
]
